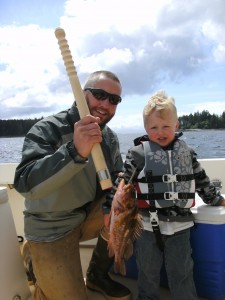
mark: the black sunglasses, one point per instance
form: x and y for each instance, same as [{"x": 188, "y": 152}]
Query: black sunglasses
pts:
[{"x": 103, "y": 95}]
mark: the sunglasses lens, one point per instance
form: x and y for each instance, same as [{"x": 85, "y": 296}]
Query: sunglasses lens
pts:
[
  {"x": 114, "y": 99},
  {"x": 100, "y": 95},
  {"x": 103, "y": 95}
]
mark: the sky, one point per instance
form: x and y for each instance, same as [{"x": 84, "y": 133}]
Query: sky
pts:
[{"x": 172, "y": 45}]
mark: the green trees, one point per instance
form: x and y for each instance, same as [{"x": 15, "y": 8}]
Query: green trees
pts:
[
  {"x": 13, "y": 128},
  {"x": 203, "y": 120}
]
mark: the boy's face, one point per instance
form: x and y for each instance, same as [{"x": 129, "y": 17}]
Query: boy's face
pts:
[{"x": 161, "y": 129}]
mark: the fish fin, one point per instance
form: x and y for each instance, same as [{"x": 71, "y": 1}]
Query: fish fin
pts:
[
  {"x": 109, "y": 219},
  {"x": 123, "y": 270},
  {"x": 128, "y": 250},
  {"x": 111, "y": 251},
  {"x": 138, "y": 227},
  {"x": 117, "y": 261}
]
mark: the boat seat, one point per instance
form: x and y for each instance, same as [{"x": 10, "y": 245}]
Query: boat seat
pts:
[{"x": 13, "y": 279}]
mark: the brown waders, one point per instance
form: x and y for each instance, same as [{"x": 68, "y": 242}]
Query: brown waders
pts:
[{"x": 57, "y": 264}]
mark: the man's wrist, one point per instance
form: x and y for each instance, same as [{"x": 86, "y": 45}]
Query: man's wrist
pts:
[{"x": 74, "y": 154}]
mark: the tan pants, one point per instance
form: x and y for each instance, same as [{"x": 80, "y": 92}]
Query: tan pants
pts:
[{"x": 57, "y": 265}]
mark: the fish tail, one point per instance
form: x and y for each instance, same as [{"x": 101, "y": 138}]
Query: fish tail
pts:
[{"x": 120, "y": 267}]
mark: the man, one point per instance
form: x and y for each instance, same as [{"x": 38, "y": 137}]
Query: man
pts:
[{"x": 63, "y": 198}]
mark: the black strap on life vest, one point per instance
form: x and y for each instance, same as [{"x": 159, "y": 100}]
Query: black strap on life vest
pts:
[
  {"x": 165, "y": 196},
  {"x": 155, "y": 226},
  {"x": 167, "y": 178}
]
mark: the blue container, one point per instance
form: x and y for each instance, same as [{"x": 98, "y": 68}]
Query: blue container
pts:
[
  {"x": 131, "y": 267},
  {"x": 208, "y": 245}
]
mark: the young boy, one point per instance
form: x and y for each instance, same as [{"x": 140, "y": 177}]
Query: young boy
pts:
[{"x": 167, "y": 177}]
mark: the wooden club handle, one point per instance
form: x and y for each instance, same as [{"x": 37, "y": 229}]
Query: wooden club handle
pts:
[{"x": 97, "y": 154}]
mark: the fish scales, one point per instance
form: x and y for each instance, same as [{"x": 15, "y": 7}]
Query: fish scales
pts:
[{"x": 125, "y": 226}]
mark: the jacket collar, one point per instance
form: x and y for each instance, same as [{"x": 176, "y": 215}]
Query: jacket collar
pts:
[{"x": 73, "y": 115}]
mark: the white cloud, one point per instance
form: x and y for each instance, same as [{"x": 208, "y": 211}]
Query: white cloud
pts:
[
  {"x": 149, "y": 44},
  {"x": 215, "y": 32},
  {"x": 215, "y": 107},
  {"x": 126, "y": 17},
  {"x": 107, "y": 59},
  {"x": 126, "y": 122}
]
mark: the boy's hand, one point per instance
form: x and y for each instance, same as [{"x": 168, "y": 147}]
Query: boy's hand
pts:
[{"x": 222, "y": 202}]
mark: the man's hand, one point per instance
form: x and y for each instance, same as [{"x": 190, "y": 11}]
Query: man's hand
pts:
[{"x": 86, "y": 133}]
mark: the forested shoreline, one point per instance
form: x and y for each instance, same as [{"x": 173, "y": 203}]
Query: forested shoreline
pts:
[{"x": 198, "y": 120}]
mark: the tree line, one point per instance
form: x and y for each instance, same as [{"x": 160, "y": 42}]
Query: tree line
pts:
[
  {"x": 198, "y": 120},
  {"x": 15, "y": 128},
  {"x": 202, "y": 120}
]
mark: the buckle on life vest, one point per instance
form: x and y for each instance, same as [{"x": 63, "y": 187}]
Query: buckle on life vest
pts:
[
  {"x": 154, "y": 218},
  {"x": 171, "y": 196},
  {"x": 169, "y": 178}
]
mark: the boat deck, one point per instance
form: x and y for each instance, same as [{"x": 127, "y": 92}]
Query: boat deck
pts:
[{"x": 86, "y": 252}]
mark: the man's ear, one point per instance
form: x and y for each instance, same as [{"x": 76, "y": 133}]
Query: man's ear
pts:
[{"x": 177, "y": 124}]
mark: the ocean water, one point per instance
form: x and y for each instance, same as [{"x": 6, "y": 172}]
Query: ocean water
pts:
[{"x": 206, "y": 143}]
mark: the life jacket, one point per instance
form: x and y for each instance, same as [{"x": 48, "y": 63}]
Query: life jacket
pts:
[{"x": 167, "y": 178}]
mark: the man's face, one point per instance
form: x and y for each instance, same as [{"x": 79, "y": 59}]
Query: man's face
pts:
[{"x": 103, "y": 108}]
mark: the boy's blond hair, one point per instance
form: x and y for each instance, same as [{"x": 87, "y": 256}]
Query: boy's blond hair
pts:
[{"x": 160, "y": 102}]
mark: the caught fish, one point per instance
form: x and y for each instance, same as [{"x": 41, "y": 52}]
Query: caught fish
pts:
[{"x": 125, "y": 226}]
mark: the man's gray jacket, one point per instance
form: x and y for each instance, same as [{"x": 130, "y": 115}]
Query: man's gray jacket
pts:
[{"x": 58, "y": 185}]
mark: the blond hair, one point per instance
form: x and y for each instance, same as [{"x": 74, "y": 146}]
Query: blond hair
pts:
[{"x": 161, "y": 103}]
